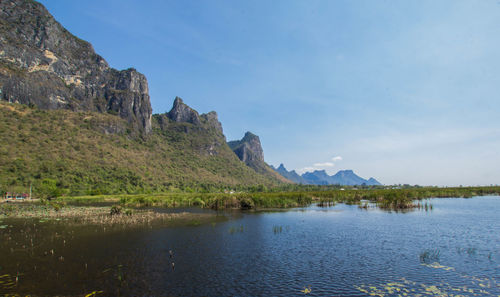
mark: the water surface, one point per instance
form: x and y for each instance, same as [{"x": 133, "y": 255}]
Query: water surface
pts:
[{"x": 336, "y": 251}]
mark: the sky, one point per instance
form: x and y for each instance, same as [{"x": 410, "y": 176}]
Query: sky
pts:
[{"x": 403, "y": 91}]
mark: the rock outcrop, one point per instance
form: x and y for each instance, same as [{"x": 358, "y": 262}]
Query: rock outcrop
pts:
[
  {"x": 42, "y": 64},
  {"x": 181, "y": 113},
  {"x": 249, "y": 150},
  {"x": 205, "y": 129}
]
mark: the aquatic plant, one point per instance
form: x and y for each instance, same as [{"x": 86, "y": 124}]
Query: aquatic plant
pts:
[
  {"x": 389, "y": 199},
  {"x": 429, "y": 256},
  {"x": 115, "y": 210},
  {"x": 234, "y": 229}
]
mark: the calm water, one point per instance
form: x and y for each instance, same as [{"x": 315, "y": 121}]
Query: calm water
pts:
[{"x": 338, "y": 251}]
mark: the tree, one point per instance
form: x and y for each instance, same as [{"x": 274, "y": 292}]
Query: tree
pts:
[{"x": 48, "y": 189}]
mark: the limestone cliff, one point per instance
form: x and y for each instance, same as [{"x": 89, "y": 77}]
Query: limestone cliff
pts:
[
  {"x": 249, "y": 150},
  {"x": 209, "y": 138},
  {"x": 42, "y": 64}
]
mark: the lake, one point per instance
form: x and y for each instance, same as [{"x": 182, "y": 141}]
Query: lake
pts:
[{"x": 343, "y": 250}]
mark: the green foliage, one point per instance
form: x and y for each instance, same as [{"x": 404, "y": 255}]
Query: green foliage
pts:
[
  {"x": 392, "y": 199},
  {"x": 48, "y": 189},
  {"x": 76, "y": 150},
  {"x": 115, "y": 210}
]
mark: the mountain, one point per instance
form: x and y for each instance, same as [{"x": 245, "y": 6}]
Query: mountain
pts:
[
  {"x": 249, "y": 150},
  {"x": 42, "y": 64},
  {"x": 320, "y": 177},
  {"x": 347, "y": 177},
  {"x": 372, "y": 182},
  {"x": 290, "y": 175},
  {"x": 97, "y": 153},
  {"x": 66, "y": 115}
]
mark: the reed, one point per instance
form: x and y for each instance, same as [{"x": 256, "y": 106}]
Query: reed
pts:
[{"x": 397, "y": 199}]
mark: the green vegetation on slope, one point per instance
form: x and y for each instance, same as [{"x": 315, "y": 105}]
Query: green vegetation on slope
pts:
[{"x": 88, "y": 153}]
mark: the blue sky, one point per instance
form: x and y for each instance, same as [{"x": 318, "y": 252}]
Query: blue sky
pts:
[{"x": 404, "y": 91}]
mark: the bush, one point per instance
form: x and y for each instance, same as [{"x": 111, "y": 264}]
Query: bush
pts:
[
  {"x": 246, "y": 203},
  {"x": 48, "y": 189},
  {"x": 115, "y": 210}
]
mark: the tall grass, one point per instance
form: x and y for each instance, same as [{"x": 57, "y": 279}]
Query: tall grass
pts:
[{"x": 383, "y": 198}]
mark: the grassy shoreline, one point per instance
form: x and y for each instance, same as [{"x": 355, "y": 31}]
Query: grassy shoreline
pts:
[
  {"x": 383, "y": 198},
  {"x": 97, "y": 215},
  {"x": 133, "y": 209}
]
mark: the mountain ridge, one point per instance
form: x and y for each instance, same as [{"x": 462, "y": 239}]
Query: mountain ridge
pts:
[
  {"x": 321, "y": 177},
  {"x": 66, "y": 115}
]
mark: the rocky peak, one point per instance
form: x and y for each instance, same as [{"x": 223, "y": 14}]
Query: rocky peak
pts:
[
  {"x": 181, "y": 113},
  {"x": 212, "y": 120},
  {"x": 248, "y": 149},
  {"x": 41, "y": 63}
]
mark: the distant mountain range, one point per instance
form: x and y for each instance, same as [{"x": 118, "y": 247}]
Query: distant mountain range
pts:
[{"x": 320, "y": 177}]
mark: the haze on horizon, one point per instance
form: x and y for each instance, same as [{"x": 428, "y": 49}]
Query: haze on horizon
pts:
[{"x": 403, "y": 91}]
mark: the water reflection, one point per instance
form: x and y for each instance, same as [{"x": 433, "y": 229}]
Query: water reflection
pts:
[{"x": 340, "y": 250}]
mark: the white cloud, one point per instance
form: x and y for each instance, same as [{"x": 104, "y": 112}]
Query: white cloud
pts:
[
  {"x": 319, "y": 166},
  {"x": 305, "y": 169},
  {"x": 326, "y": 164}
]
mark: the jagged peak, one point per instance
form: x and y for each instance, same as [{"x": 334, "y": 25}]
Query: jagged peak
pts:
[
  {"x": 181, "y": 112},
  {"x": 282, "y": 166},
  {"x": 348, "y": 171},
  {"x": 212, "y": 119},
  {"x": 177, "y": 101},
  {"x": 249, "y": 136}
]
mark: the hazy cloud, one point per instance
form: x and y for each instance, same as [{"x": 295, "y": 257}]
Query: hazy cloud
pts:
[
  {"x": 305, "y": 169},
  {"x": 337, "y": 158},
  {"x": 326, "y": 164}
]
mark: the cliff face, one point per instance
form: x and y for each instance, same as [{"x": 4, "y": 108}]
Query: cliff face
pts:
[
  {"x": 249, "y": 150},
  {"x": 42, "y": 64},
  {"x": 205, "y": 130}
]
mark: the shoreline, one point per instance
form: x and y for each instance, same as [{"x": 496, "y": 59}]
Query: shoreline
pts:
[{"x": 99, "y": 215}]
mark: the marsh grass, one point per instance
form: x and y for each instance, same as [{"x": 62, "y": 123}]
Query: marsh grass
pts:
[
  {"x": 102, "y": 216},
  {"x": 389, "y": 199},
  {"x": 236, "y": 229}
]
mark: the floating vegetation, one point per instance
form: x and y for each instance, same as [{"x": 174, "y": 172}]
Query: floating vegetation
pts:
[
  {"x": 438, "y": 266},
  {"x": 8, "y": 282},
  {"x": 95, "y": 293},
  {"x": 98, "y": 215},
  {"x": 306, "y": 290},
  {"x": 405, "y": 287}
]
